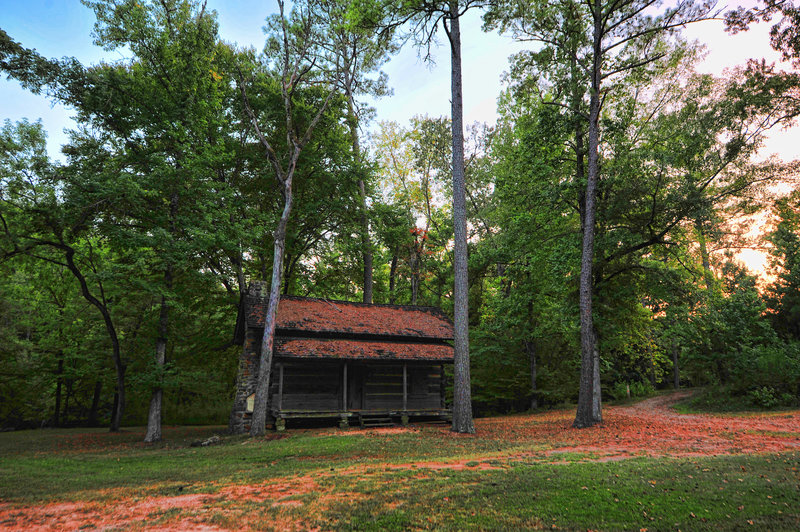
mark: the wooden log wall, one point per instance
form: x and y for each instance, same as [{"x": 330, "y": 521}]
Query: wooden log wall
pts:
[
  {"x": 315, "y": 386},
  {"x": 424, "y": 390},
  {"x": 308, "y": 387}
]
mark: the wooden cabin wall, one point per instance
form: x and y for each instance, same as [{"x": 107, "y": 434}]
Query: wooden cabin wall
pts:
[
  {"x": 308, "y": 387},
  {"x": 317, "y": 387},
  {"x": 424, "y": 387},
  {"x": 383, "y": 387}
]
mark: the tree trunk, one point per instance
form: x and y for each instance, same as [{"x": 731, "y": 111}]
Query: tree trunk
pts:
[
  {"x": 393, "y": 278},
  {"x": 530, "y": 348},
  {"x": 587, "y": 414},
  {"x": 153, "y": 433},
  {"x": 119, "y": 396},
  {"x": 597, "y": 408},
  {"x": 115, "y": 405},
  {"x": 462, "y": 400},
  {"x": 366, "y": 247},
  {"x": 284, "y": 177},
  {"x": 414, "y": 264},
  {"x": 116, "y": 354},
  {"x": 98, "y": 386},
  {"x": 287, "y": 259},
  {"x": 66, "y": 402},
  {"x": 261, "y": 401},
  {"x": 59, "y": 380},
  {"x": 676, "y": 379}
]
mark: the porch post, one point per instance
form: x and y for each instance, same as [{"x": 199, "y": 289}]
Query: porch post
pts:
[
  {"x": 344, "y": 388},
  {"x": 405, "y": 387},
  {"x": 343, "y": 422},
  {"x": 280, "y": 387},
  {"x": 441, "y": 387}
]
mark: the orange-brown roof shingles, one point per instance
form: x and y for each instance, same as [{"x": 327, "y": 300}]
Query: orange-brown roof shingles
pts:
[
  {"x": 323, "y": 316},
  {"x": 361, "y": 350}
]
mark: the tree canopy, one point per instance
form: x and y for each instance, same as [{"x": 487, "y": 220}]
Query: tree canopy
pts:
[{"x": 584, "y": 243}]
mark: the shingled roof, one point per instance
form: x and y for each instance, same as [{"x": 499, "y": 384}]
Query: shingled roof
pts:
[
  {"x": 301, "y": 315},
  {"x": 321, "y": 328},
  {"x": 361, "y": 350}
]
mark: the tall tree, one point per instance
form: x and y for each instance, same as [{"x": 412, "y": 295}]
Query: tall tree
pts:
[
  {"x": 622, "y": 37},
  {"x": 37, "y": 222},
  {"x": 784, "y": 294},
  {"x": 424, "y": 18},
  {"x": 150, "y": 146},
  {"x": 357, "y": 52},
  {"x": 462, "y": 401},
  {"x": 171, "y": 130},
  {"x": 296, "y": 51}
]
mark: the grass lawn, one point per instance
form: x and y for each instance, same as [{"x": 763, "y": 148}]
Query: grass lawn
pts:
[{"x": 533, "y": 472}]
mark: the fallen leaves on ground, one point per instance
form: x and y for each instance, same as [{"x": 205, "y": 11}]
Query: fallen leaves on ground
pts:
[{"x": 649, "y": 428}]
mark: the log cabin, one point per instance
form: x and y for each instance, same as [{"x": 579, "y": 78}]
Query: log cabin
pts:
[{"x": 354, "y": 362}]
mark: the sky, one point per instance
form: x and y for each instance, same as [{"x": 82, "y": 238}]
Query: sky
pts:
[{"x": 58, "y": 28}]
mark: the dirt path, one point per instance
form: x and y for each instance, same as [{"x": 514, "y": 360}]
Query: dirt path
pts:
[{"x": 647, "y": 428}]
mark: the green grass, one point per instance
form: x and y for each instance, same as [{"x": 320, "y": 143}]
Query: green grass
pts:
[
  {"x": 77, "y": 464},
  {"x": 663, "y": 494},
  {"x": 356, "y": 487},
  {"x": 717, "y": 400},
  {"x": 712, "y": 401}
]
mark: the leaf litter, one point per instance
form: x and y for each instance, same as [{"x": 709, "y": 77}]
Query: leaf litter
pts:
[{"x": 648, "y": 428}]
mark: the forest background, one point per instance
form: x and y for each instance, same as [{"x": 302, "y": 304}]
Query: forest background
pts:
[{"x": 125, "y": 257}]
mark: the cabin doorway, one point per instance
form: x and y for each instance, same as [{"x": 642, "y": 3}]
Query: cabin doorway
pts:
[{"x": 356, "y": 374}]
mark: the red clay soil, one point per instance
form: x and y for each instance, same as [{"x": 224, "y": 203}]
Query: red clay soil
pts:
[{"x": 649, "y": 428}]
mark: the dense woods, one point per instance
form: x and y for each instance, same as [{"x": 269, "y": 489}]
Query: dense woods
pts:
[{"x": 587, "y": 240}]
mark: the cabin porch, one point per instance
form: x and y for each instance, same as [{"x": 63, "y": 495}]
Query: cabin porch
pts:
[{"x": 349, "y": 390}]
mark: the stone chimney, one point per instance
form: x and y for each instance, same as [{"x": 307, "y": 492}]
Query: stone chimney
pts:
[{"x": 258, "y": 289}]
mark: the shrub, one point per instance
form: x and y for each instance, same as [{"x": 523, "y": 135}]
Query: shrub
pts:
[
  {"x": 642, "y": 389},
  {"x": 764, "y": 397},
  {"x": 638, "y": 389},
  {"x": 776, "y": 367}
]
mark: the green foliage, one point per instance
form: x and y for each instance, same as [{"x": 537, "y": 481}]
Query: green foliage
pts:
[
  {"x": 413, "y": 219},
  {"x": 638, "y": 389},
  {"x": 728, "y": 334},
  {"x": 784, "y": 294},
  {"x": 764, "y": 397},
  {"x": 721, "y": 399},
  {"x": 165, "y": 200},
  {"x": 775, "y": 367}
]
